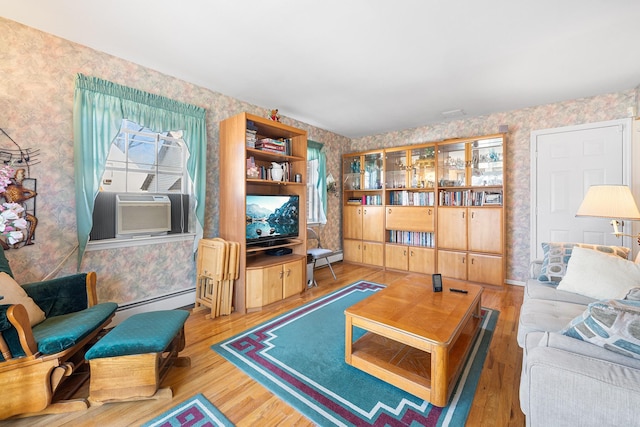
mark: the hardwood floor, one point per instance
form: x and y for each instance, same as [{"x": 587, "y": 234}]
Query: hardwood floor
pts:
[{"x": 247, "y": 403}]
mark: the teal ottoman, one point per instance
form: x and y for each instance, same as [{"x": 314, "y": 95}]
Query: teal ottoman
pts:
[{"x": 130, "y": 362}]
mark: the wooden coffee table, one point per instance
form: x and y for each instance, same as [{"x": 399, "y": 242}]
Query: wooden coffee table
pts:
[{"x": 417, "y": 339}]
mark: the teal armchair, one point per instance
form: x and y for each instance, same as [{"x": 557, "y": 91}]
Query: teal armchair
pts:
[{"x": 36, "y": 361}]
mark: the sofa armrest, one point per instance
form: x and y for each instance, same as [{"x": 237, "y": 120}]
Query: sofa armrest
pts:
[
  {"x": 565, "y": 387},
  {"x": 534, "y": 268},
  {"x": 16, "y": 335},
  {"x": 64, "y": 295}
]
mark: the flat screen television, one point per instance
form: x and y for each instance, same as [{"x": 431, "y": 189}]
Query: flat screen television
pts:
[{"x": 271, "y": 218}]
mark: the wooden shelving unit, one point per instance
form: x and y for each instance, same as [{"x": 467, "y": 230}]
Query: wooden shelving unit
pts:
[
  {"x": 432, "y": 208},
  {"x": 257, "y": 284}
]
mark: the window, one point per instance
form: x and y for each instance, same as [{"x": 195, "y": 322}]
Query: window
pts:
[
  {"x": 316, "y": 184},
  {"x": 140, "y": 160},
  {"x": 314, "y": 204},
  {"x": 99, "y": 106}
]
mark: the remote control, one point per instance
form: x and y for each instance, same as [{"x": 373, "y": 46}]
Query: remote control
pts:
[{"x": 462, "y": 291}]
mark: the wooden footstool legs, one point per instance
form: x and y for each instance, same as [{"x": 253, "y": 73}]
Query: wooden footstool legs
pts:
[{"x": 131, "y": 361}]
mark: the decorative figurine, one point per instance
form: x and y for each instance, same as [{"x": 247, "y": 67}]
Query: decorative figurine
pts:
[{"x": 274, "y": 115}]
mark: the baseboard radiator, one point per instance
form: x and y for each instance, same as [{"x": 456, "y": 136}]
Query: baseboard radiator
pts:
[
  {"x": 177, "y": 299},
  {"x": 170, "y": 301}
]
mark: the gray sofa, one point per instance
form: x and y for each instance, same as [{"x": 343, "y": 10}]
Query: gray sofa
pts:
[{"x": 565, "y": 381}]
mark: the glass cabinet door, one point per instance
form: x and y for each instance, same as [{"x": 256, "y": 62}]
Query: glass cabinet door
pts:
[
  {"x": 486, "y": 162},
  {"x": 423, "y": 167},
  {"x": 396, "y": 169},
  {"x": 372, "y": 179},
  {"x": 452, "y": 165},
  {"x": 351, "y": 172}
]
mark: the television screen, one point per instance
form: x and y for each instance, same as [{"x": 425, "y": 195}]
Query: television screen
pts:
[{"x": 272, "y": 217}]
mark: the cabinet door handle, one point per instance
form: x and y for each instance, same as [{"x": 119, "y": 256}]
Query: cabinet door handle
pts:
[
  {"x": 404, "y": 253},
  {"x": 464, "y": 259},
  {"x": 472, "y": 214},
  {"x": 463, "y": 215},
  {"x": 472, "y": 260},
  {"x": 389, "y": 210},
  {"x": 288, "y": 272},
  {"x": 410, "y": 253},
  {"x": 365, "y": 211},
  {"x": 429, "y": 212},
  {"x": 359, "y": 211}
]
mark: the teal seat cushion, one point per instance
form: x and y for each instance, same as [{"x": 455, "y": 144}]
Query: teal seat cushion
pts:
[
  {"x": 141, "y": 333},
  {"x": 59, "y": 333}
]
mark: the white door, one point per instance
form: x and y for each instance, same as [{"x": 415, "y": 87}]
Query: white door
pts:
[{"x": 565, "y": 162}]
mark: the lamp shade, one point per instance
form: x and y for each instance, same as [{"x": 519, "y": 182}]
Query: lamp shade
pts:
[{"x": 609, "y": 201}]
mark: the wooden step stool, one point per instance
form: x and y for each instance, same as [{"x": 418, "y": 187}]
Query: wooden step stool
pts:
[{"x": 130, "y": 362}]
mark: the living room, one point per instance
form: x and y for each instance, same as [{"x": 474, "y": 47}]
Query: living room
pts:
[{"x": 37, "y": 101}]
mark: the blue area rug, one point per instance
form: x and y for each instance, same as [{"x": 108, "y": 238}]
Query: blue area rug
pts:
[
  {"x": 299, "y": 356},
  {"x": 195, "y": 412}
]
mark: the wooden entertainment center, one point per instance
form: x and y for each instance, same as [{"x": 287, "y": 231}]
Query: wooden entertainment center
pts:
[{"x": 244, "y": 169}]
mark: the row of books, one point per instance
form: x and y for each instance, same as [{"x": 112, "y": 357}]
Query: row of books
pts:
[
  {"x": 365, "y": 200},
  {"x": 413, "y": 238},
  {"x": 412, "y": 198},
  {"x": 277, "y": 146},
  {"x": 469, "y": 198},
  {"x": 252, "y": 134}
]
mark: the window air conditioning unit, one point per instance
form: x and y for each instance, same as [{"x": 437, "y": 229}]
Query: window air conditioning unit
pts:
[{"x": 142, "y": 214}]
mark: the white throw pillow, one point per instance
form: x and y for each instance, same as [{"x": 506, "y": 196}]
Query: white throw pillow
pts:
[
  {"x": 599, "y": 276},
  {"x": 13, "y": 293}
]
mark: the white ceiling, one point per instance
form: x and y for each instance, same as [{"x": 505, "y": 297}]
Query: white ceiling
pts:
[{"x": 362, "y": 67}]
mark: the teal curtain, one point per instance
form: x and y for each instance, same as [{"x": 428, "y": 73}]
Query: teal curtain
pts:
[
  {"x": 315, "y": 151},
  {"x": 99, "y": 106}
]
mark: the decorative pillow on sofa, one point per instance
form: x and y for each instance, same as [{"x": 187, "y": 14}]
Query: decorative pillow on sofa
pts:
[
  {"x": 557, "y": 255},
  {"x": 612, "y": 324},
  {"x": 14, "y": 294},
  {"x": 599, "y": 276}
]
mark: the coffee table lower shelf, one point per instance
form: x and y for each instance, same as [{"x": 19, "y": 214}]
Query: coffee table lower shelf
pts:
[{"x": 409, "y": 368}]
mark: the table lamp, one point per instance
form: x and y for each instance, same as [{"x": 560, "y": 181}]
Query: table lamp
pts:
[{"x": 610, "y": 201}]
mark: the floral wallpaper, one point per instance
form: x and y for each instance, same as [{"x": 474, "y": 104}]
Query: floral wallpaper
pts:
[{"x": 36, "y": 95}]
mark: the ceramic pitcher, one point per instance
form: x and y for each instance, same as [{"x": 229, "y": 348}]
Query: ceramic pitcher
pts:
[{"x": 277, "y": 171}]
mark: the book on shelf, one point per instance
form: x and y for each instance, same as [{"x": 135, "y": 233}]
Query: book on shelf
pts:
[
  {"x": 251, "y": 138},
  {"x": 412, "y": 238},
  {"x": 412, "y": 198},
  {"x": 469, "y": 198},
  {"x": 251, "y": 134},
  {"x": 492, "y": 198},
  {"x": 374, "y": 199},
  {"x": 277, "y": 146}
]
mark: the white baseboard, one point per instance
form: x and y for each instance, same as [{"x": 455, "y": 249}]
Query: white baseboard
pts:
[
  {"x": 169, "y": 301},
  {"x": 514, "y": 282}
]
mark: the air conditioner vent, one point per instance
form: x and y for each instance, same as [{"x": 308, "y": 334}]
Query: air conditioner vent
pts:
[{"x": 142, "y": 214}]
